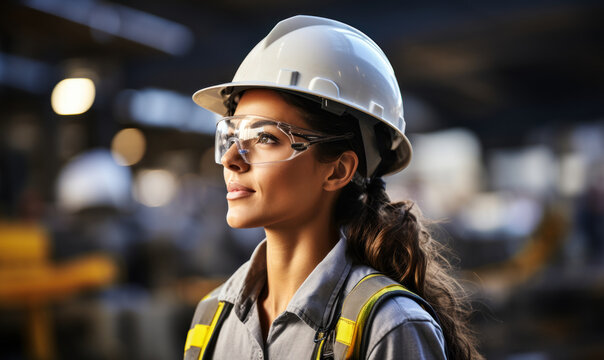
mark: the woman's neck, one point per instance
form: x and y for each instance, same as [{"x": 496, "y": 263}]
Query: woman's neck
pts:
[
  {"x": 291, "y": 255},
  {"x": 290, "y": 259}
]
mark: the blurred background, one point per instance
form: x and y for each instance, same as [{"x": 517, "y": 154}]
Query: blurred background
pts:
[{"x": 112, "y": 210}]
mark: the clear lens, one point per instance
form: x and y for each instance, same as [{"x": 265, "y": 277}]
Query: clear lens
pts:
[
  {"x": 256, "y": 139},
  {"x": 260, "y": 140}
]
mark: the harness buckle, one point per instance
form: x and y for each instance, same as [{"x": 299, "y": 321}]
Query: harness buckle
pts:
[{"x": 320, "y": 335}]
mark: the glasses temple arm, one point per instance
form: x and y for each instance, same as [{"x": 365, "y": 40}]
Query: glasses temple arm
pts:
[{"x": 313, "y": 139}]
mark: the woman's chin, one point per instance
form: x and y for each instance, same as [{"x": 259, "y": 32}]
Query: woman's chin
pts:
[{"x": 240, "y": 221}]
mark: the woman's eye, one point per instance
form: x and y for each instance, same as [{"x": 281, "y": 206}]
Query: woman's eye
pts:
[{"x": 265, "y": 138}]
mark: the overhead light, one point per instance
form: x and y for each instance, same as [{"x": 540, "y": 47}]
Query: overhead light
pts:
[
  {"x": 118, "y": 20},
  {"x": 72, "y": 96}
]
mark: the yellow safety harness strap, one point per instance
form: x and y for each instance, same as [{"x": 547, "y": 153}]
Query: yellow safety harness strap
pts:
[
  {"x": 355, "y": 311},
  {"x": 209, "y": 316}
]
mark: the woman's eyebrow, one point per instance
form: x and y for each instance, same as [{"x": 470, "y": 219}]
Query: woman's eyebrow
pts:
[{"x": 264, "y": 122}]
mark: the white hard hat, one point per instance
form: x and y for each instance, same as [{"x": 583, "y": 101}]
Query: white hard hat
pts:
[
  {"x": 93, "y": 179},
  {"x": 337, "y": 65}
]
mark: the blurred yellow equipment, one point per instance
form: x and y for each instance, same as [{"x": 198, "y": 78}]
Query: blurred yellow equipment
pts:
[{"x": 30, "y": 281}]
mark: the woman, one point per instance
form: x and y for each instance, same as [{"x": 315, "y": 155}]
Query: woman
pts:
[{"x": 313, "y": 120}]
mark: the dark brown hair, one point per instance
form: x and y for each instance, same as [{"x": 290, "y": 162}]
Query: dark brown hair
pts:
[{"x": 392, "y": 237}]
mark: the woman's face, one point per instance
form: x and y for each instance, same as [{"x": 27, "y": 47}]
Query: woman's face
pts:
[{"x": 287, "y": 193}]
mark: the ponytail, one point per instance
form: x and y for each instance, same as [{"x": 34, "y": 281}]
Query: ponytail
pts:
[{"x": 390, "y": 236}]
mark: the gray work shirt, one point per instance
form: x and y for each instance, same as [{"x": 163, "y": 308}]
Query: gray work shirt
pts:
[{"x": 401, "y": 329}]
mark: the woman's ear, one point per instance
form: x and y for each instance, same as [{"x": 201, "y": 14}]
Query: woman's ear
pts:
[{"x": 342, "y": 171}]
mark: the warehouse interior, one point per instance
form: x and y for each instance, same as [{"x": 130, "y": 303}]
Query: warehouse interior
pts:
[{"x": 112, "y": 209}]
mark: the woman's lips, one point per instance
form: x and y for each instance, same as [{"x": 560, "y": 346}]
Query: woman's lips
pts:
[{"x": 238, "y": 191}]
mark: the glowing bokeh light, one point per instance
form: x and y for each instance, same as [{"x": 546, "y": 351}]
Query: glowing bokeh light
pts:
[
  {"x": 128, "y": 146},
  {"x": 72, "y": 96},
  {"x": 155, "y": 188}
]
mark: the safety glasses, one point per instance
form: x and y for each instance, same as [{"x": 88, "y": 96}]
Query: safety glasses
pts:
[{"x": 261, "y": 140}]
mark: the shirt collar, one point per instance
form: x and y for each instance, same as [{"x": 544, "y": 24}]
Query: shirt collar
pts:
[
  {"x": 316, "y": 297},
  {"x": 243, "y": 287},
  {"x": 313, "y": 301}
]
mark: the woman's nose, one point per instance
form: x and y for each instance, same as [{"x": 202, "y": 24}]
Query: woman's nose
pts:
[{"x": 232, "y": 160}]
